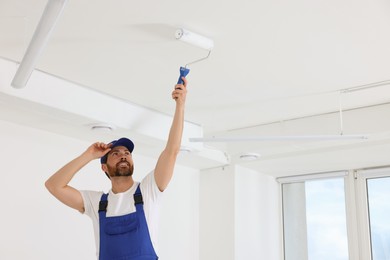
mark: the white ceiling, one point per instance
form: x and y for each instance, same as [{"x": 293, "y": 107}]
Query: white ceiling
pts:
[{"x": 273, "y": 61}]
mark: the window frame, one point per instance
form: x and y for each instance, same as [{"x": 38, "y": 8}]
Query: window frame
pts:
[
  {"x": 356, "y": 203},
  {"x": 361, "y": 177},
  {"x": 309, "y": 177}
]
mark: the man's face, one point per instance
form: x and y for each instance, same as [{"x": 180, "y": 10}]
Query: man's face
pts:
[{"x": 119, "y": 162}]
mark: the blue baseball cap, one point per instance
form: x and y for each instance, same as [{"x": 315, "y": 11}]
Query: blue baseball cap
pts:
[{"x": 120, "y": 142}]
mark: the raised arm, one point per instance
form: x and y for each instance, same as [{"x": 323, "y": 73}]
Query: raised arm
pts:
[
  {"x": 166, "y": 162},
  {"x": 57, "y": 184}
]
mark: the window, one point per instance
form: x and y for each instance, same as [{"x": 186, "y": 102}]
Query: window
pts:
[
  {"x": 338, "y": 216},
  {"x": 315, "y": 220}
]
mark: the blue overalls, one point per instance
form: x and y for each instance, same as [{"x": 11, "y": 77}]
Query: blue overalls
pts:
[{"x": 125, "y": 237}]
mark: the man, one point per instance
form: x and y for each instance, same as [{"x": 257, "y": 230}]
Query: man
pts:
[{"x": 125, "y": 219}]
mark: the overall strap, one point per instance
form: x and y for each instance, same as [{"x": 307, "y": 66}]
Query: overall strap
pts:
[
  {"x": 103, "y": 203},
  {"x": 138, "y": 196},
  {"x": 102, "y": 220}
]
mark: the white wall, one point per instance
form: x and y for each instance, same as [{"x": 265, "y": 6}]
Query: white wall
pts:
[
  {"x": 257, "y": 216},
  {"x": 216, "y": 205},
  {"x": 179, "y": 230},
  {"x": 34, "y": 225},
  {"x": 239, "y": 215}
]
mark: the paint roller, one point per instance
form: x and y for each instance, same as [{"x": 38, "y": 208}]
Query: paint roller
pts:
[{"x": 196, "y": 40}]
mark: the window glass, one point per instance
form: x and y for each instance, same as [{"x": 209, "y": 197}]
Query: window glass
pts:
[
  {"x": 326, "y": 220},
  {"x": 379, "y": 215},
  {"x": 315, "y": 220}
]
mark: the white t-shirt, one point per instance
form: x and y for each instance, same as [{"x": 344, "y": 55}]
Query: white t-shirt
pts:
[{"x": 120, "y": 204}]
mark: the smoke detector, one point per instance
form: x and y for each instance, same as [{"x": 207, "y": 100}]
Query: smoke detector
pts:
[
  {"x": 185, "y": 150},
  {"x": 103, "y": 128},
  {"x": 249, "y": 156}
]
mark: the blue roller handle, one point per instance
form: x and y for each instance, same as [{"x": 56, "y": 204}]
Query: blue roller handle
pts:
[{"x": 183, "y": 73}]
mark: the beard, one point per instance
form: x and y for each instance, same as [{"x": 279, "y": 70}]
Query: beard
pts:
[{"x": 120, "y": 171}]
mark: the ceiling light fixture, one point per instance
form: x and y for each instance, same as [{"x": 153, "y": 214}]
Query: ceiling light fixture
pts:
[
  {"x": 185, "y": 150},
  {"x": 249, "y": 156},
  {"x": 102, "y": 128},
  {"x": 338, "y": 137},
  {"x": 278, "y": 138},
  {"x": 39, "y": 40}
]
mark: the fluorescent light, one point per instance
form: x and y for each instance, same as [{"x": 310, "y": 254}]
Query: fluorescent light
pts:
[
  {"x": 39, "y": 40},
  {"x": 279, "y": 138},
  {"x": 194, "y": 39}
]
